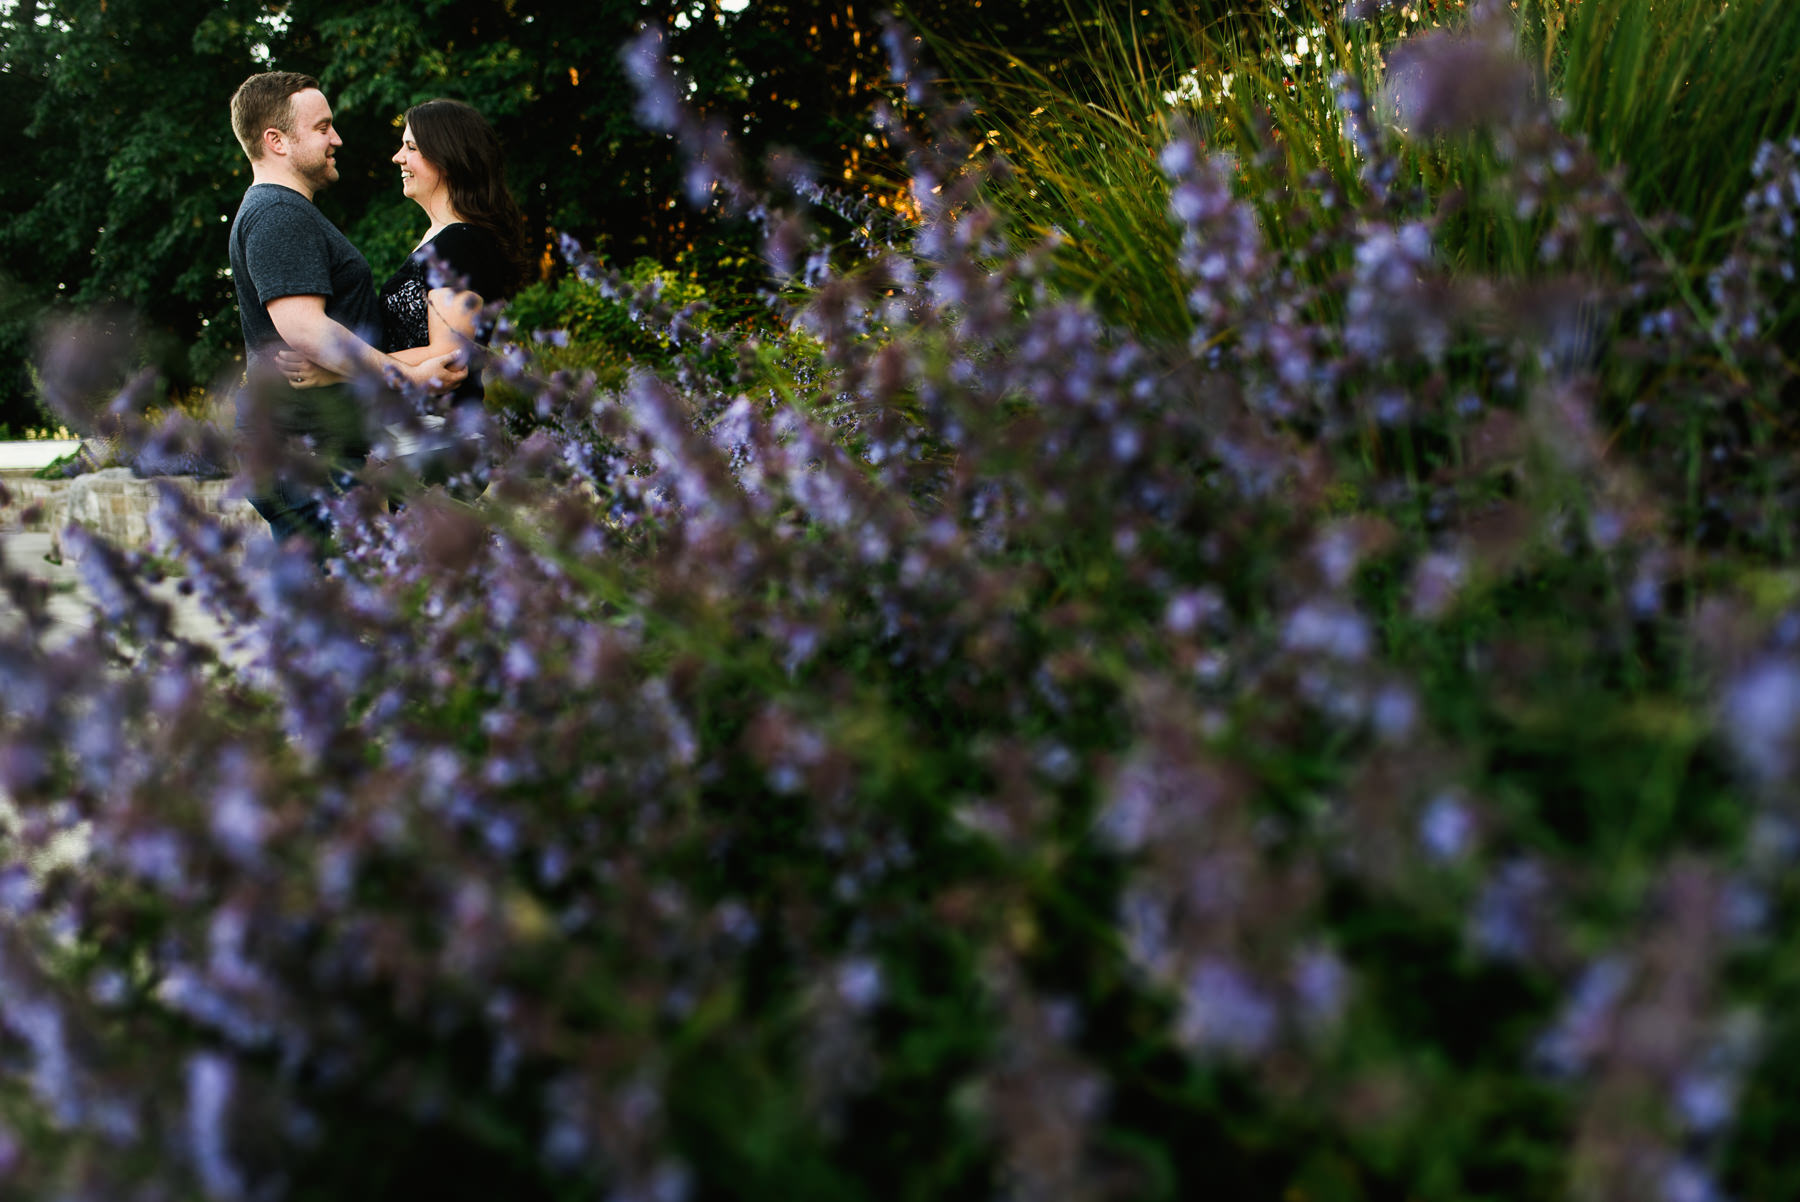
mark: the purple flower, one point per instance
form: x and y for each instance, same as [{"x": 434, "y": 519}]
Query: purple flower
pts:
[
  {"x": 859, "y": 983},
  {"x": 1394, "y": 713},
  {"x": 1685, "y": 1181},
  {"x": 210, "y": 1083},
  {"x": 1330, "y": 629},
  {"x": 1705, "y": 1101},
  {"x": 1506, "y": 914},
  {"x": 1583, "y": 1026},
  {"x": 1444, "y": 80},
  {"x": 1223, "y": 1011},
  {"x": 1188, "y": 609},
  {"x": 1760, "y": 716},
  {"x": 1436, "y": 582},
  {"x": 1446, "y": 828},
  {"x": 1321, "y": 986}
]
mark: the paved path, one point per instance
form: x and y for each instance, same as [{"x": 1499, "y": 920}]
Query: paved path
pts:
[
  {"x": 72, "y": 614},
  {"x": 71, "y": 609}
]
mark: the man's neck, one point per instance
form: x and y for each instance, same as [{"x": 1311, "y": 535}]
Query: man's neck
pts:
[{"x": 267, "y": 171}]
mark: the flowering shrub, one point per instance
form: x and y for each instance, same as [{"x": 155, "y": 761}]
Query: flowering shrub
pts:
[
  {"x": 575, "y": 327},
  {"x": 958, "y": 748}
]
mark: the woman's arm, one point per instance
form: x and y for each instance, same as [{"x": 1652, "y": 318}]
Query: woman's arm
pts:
[{"x": 451, "y": 317}]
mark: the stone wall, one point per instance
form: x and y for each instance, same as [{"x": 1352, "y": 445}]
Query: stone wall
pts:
[{"x": 113, "y": 504}]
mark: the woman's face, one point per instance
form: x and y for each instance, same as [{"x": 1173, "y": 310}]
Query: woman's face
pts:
[{"x": 419, "y": 177}]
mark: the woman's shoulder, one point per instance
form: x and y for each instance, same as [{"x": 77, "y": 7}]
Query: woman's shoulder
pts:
[
  {"x": 469, "y": 249},
  {"x": 460, "y": 235}
]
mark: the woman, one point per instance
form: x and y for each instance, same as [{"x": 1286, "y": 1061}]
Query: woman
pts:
[{"x": 472, "y": 253}]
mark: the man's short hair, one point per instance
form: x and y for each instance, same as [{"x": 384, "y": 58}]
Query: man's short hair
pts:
[{"x": 266, "y": 101}]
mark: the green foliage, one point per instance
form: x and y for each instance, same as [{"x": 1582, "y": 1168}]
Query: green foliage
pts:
[
  {"x": 1679, "y": 94},
  {"x": 574, "y": 327},
  {"x": 579, "y": 308},
  {"x": 1083, "y": 144},
  {"x": 125, "y": 166}
]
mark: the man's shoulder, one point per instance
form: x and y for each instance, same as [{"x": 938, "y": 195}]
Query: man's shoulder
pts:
[{"x": 263, "y": 200}]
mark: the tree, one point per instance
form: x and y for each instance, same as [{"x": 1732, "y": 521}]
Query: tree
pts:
[{"x": 126, "y": 173}]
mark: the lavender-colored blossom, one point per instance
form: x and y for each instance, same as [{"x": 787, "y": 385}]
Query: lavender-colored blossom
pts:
[
  {"x": 1223, "y": 1011},
  {"x": 1131, "y": 811},
  {"x": 1446, "y": 828},
  {"x": 1144, "y": 926},
  {"x": 1321, "y": 984},
  {"x": 1189, "y": 609},
  {"x": 1332, "y": 630},
  {"x": 658, "y": 104},
  {"x": 43, "y": 1027},
  {"x": 1436, "y": 583},
  {"x": 1506, "y": 914},
  {"x": 211, "y": 1082},
  {"x": 859, "y": 983},
  {"x": 1583, "y": 1026},
  {"x": 1686, "y": 1181},
  {"x": 1446, "y": 81},
  {"x": 1706, "y": 1102},
  {"x": 1744, "y": 908},
  {"x": 239, "y": 823},
  {"x": 1394, "y": 713},
  {"x": 1760, "y": 717}
]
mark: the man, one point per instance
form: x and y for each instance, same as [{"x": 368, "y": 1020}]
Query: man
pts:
[{"x": 302, "y": 285}]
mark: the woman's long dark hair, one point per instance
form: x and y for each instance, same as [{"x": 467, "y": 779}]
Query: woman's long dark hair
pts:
[{"x": 460, "y": 143}]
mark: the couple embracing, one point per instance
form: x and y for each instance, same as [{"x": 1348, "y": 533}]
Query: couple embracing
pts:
[{"x": 311, "y": 316}]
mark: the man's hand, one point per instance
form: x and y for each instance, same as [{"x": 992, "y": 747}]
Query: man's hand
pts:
[{"x": 302, "y": 372}]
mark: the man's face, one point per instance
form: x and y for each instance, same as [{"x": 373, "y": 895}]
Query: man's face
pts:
[{"x": 313, "y": 145}]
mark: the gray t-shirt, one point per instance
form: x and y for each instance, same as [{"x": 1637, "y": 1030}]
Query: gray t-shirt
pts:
[{"x": 281, "y": 245}]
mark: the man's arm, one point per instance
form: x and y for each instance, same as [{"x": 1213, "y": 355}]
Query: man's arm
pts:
[{"x": 303, "y": 325}]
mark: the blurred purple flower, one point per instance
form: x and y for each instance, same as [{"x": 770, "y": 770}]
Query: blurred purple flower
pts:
[
  {"x": 1188, "y": 609},
  {"x": 1328, "y": 628},
  {"x": 1436, "y": 583},
  {"x": 859, "y": 983},
  {"x": 210, "y": 1084},
  {"x": 658, "y": 104},
  {"x": 1705, "y": 1101},
  {"x": 1583, "y": 1026},
  {"x": 1448, "y": 80},
  {"x": 1686, "y": 1181},
  {"x": 1394, "y": 713},
  {"x": 1322, "y": 988},
  {"x": 1506, "y": 914},
  {"x": 1446, "y": 828},
  {"x": 1223, "y": 1011},
  {"x": 1760, "y": 718}
]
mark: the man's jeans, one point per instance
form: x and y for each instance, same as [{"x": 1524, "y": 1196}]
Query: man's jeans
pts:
[{"x": 292, "y": 508}]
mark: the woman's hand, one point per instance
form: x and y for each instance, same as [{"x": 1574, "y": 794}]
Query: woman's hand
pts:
[
  {"x": 302, "y": 372},
  {"x": 439, "y": 374}
]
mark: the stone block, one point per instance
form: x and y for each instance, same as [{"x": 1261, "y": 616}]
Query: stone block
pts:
[
  {"x": 116, "y": 505},
  {"x": 27, "y": 492}
]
